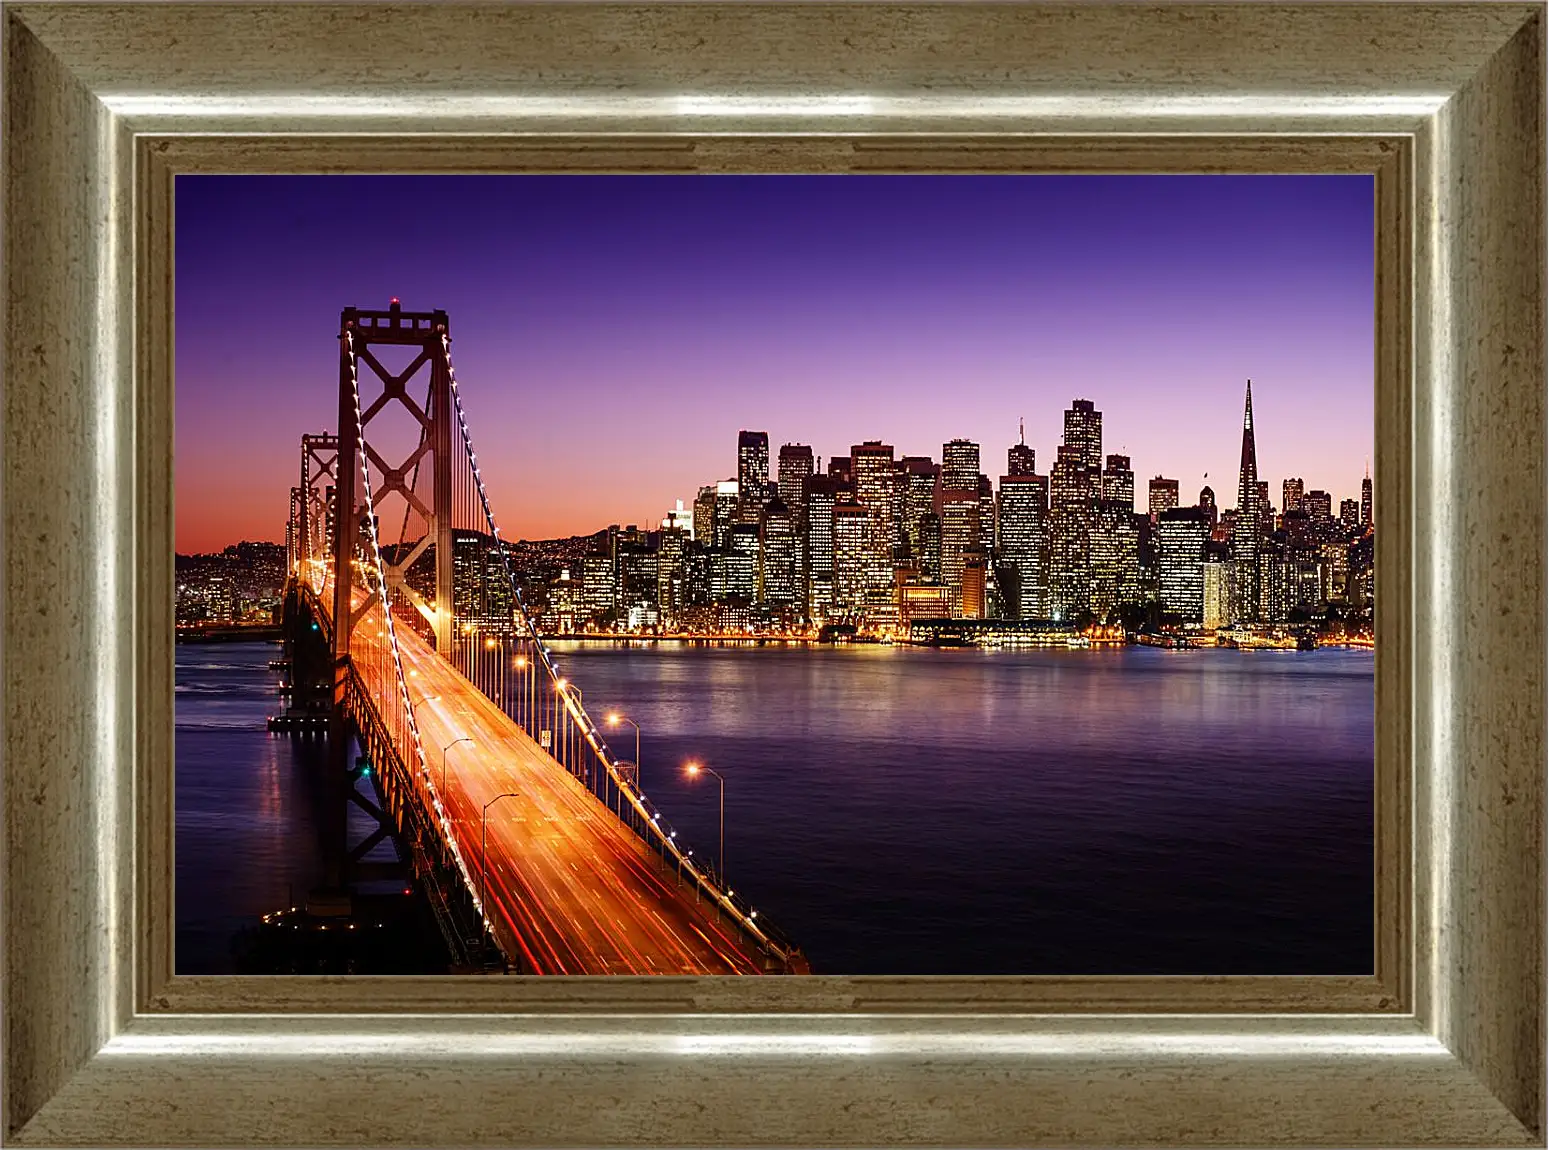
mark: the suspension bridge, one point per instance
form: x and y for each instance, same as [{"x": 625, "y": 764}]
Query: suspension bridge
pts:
[{"x": 407, "y": 633}]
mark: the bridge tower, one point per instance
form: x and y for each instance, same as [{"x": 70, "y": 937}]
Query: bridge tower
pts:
[{"x": 360, "y": 330}]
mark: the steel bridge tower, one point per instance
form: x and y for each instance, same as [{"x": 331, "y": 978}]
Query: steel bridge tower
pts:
[{"x": 359, "y": 331}]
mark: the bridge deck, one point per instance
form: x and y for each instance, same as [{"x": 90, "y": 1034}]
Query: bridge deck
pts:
[{"x": 570, "y": 888}]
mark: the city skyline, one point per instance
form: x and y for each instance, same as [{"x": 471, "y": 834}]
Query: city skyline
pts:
[{"x": 885, "y": 364}]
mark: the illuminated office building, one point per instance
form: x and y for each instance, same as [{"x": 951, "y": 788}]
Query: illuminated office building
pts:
[
  {"x": 853, "y": 537},
  {"x": 872, "y": 468},
  {"x": 1162, "y": 495},
  {"x": 1084, "y": 432},
  {"x": 1181, "y": 533},
  {"x": 1023, "y": 514},
  {"x": 777, "y": 557},
  {"x": 795, "y": 467}
]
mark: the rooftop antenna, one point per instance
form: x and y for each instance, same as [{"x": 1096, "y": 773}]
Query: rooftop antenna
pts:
[{"x": 1022, "y": 430}]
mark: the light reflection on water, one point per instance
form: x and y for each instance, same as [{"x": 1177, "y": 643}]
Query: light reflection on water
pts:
[{"x": 899, "y": 810}]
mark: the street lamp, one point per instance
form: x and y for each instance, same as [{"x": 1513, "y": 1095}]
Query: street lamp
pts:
[
  {"x": 614, "y": 719},
  {"x": 415, "y": 708},
  {"x": 693, "y": 770},
  {"x": 483, "y": 857},
  {"x": 445, "y": 749}
]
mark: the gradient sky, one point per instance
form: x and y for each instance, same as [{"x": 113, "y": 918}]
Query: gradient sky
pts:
[{"x": 613, "y": 333}]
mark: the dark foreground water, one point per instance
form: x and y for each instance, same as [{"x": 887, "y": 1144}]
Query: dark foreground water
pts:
[{"x": 908, "y": 811}]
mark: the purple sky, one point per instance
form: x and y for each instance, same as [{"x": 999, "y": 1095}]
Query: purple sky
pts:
[{"x": 613, "y": 333}]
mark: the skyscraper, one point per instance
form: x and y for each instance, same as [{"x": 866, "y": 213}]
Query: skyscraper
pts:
[
  {"x": 777, "y": 557},
  {"x": 1207, "y": 501},
  {"x": 1181, "y": 534},
  {"x": 795, "y": 466},
  {"x": 821, "y": 493},
  {"x": 960, "y": 465},
  {"x": 919, "y": 474},
  {"x": 959, "y": 536},
  {"x": 1290, "y": 495},
  {"x": 1350, "y": 512},
  {"x": 1119, "y": 483},
  {"x": 1020, "y": 459},
  {"x": 1024, "y": 504},
  {"x": 986, "y": 515},
  {"x": 1366, "y": 499},
  {"x": 727, "y": 500},
  {"x": 853, "y": 523},
  {"x": 1161, "y": 495},
  {"x": 753, "y": 465},
  {"x": 871, "y": 465},
  {"x": 1072, "y": 509},
  {"x": 1084, "y": 432},
  {"x": 1247, "y": 530}
]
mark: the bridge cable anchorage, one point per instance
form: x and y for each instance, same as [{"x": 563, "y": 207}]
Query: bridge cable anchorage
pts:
[
  {"x": 392, "y": 634},
  {"x": 651, "y": 820}
]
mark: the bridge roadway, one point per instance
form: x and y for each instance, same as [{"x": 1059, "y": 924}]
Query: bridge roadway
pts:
[{"x": 570, "y": 888}]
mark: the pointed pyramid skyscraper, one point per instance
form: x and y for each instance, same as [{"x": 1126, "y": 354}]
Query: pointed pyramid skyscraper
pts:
[{"x": 1247, "y": 529}]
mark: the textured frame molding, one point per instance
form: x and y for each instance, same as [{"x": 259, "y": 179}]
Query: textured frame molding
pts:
[{"x": 103, "y": 104}]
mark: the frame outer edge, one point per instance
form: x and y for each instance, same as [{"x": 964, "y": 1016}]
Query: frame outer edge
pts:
[
  {"x": 68, "y": 540},
  {"x": 1479, "y": 571}
]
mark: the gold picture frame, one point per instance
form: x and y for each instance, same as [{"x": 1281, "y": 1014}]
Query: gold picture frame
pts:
[{"x": 1443, "y": 104}]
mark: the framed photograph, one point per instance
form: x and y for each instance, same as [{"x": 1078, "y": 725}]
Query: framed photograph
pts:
[{"x": 1058, "y": 491}]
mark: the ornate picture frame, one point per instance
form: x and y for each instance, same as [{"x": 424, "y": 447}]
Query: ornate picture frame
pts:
[{"x": 104, "y": 105}]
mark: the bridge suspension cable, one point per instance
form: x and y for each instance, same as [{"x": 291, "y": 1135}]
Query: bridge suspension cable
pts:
[
  {"x": 576, "y": 741},
  {"x": 380, "y": 599}
]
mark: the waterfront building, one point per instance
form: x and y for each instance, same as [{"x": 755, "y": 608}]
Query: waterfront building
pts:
[
  {"x": 974, "y": 583},
  {"x": 671, "y": 576},
  {"x": 777, "y": 558},
  {"x": 1215, "y": 589},
  {"x": 923, "y": 600},
  {"x": 1181, "y": 534},
  {"x": 853, "y": 536},
  {"x": 1072, "y": 489},
  {"x": 959, "y": 535},
  {"x": 820, "y": 495},
  {"x": 1162, "y": 495},
  {"x": 1024, "y": 508},
  {"x": 872, "y": 467},
  {"x": 598, "y": 588}
]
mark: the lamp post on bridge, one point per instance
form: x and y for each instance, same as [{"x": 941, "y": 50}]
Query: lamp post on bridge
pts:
[
  {"x": 483, "y": 856},
  {"x": 614, "y": 719},
  {"x": 445, "y": 749},
  {"x": 693, "y": 770},
  {"x": 414, "y": 709}
]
